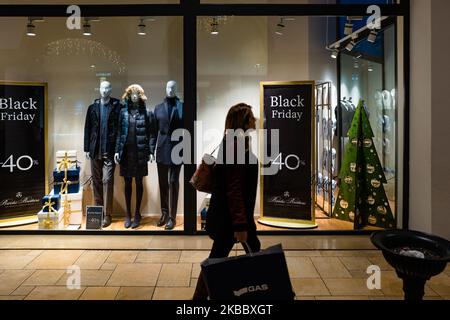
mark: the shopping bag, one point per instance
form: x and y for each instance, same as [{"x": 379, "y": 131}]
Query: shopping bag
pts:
[{"x": 255, "y": 276}]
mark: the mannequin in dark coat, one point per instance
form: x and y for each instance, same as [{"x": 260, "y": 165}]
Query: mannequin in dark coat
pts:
[
  {"x": 133, "y": 147},
  {"x": 168, "y": 117},
  {"x": 100, "y": 134}
]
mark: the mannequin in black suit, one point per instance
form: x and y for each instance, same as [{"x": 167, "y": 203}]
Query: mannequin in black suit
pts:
[{"x": 168, "y": 117}]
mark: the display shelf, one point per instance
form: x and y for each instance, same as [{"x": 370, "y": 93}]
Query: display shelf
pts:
[{"x": 148, "y": 223}]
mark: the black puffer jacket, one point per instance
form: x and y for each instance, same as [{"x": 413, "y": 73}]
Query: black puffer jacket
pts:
[
  {"x": 143, "y": 134},
  {"x": 92, "y": 128}
]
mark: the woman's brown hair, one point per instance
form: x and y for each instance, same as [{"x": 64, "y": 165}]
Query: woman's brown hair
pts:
[{"x": 240, "y": 116}]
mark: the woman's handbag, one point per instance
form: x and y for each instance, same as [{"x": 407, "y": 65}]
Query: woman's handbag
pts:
[{"x": 202, "y": 180}]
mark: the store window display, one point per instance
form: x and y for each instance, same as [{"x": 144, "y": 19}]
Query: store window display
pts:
[
  {"x": 306, "y": 49},
  {"x": 233, "y": 59},
  {"x": 101, "y": 67},
  {"x": 133, "y": 148},
  {"x": 100, "y": 133},
  {"x": 369, "y": 74}
]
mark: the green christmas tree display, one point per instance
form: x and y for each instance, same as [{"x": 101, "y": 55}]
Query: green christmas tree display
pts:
[{"x": 362, "y": 198}]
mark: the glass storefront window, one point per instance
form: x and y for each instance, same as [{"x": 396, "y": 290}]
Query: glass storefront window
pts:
[
  {"x": 236, "y": 54},
  {"x": 74, "y": 65},
  {"x": 316, "y": 59},
  {"x": 369, "y": 73}
]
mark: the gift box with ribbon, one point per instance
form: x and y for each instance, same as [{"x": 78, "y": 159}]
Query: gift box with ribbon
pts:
[
  {"x": 67, "y": 155},
  {"x": 53, "y": 220},
  {"x": 72, "y": 204},
  {"x": 51, "y": 203},
  {"x": 66, "y": 180}
]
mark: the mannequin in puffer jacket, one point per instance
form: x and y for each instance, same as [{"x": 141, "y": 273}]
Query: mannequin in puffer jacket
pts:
[{"x": 133, "y": 147}]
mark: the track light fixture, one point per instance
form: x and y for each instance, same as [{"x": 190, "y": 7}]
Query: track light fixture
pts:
[
  {"x": 215, "y": 26},
  {"x": 335, "y": 53},
  {"x": 141, "y": 28},
  {"x": 348, "y": 30},
  {"x": 31, "y": 27},
  {"x": 280, "y": 27},
  {"x": 352, "y": 43},
  {"x": 372, "y": 36},
  {"x": 87, "y": 27}
]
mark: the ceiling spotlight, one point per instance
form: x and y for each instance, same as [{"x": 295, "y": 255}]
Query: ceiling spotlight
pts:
[
  {"x": 335, "y": 53},
  {"x": 372, "y": 36},
  {"x": 215, "y": 27},
  {"x": 370, "y": 68},
  {"x": 31, "y": 29},
  {"x": 87, "y": 25},
  {"x": 356, "y": 64},
  {"x": 348, "y": 29},
  {"x": 350, "y": 45},
  {"x": 141, "y": 28},
  {"x": 87, "y": 28},
  {"x": 280, "y": 27}
]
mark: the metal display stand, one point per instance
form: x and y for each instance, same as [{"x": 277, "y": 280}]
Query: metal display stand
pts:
[{"x": 324, "y": 149}]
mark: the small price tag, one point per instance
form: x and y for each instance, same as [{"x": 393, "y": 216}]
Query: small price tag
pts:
[{"x": 94, "y": 217}]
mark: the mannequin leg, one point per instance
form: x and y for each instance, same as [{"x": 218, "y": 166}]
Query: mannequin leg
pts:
[
  {"x": 108, "y": 184},
  {"x": 97, "y": 181},
  {"x": 174, "y": 180},
  {"x": 139, "y": 194},
  {"x": 174, "y": 187},
  {"x": 108, "y": 189},
  {"x": 163, "y": 172},
  {"x": 128, "y": 192}
]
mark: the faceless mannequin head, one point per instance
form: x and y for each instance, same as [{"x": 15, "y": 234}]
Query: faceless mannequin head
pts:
[
  {"x": 171, "y": 89},
  {"x": 105, "y": 90},
  {"x": 135, "y": 94},
  {"x": 134, "y": 97}
]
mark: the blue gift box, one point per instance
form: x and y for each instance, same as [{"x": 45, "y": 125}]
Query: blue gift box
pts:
[
  {"x": 54, "y": 199},
  {"x": 73, "y": 175}
]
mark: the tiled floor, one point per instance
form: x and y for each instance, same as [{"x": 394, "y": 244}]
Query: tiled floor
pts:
[{"x": 168, "y": 267}]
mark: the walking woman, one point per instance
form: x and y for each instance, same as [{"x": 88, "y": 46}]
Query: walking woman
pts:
[
  {"x": 230, "y": 214},
  {"x": 133, "y": 148}
]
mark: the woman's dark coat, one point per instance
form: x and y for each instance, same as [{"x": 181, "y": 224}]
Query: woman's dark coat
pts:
[{"x": 233, "y": 197}]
